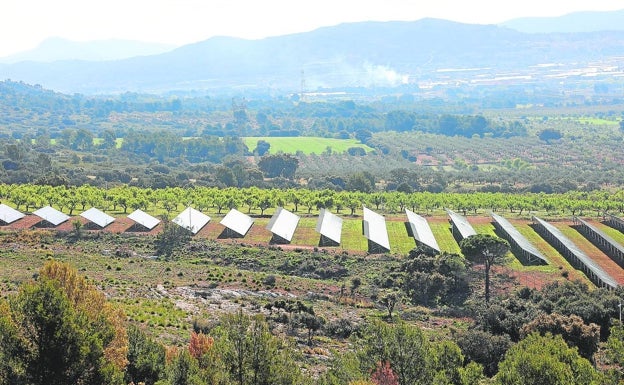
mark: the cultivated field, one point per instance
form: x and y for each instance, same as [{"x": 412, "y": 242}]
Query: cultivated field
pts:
[{"x": 306, "y": 145}]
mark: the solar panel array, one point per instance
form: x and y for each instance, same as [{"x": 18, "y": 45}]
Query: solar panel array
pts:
[
  {"x": 374, "y": 227},
  {"x": 579, "y": 258},
  {"x": 144, "y": 219},
  {"x": 51, "y": 215},
  {"x": 329, "y": 225},
  {"x": 420, "y": 230},
  {"x": 614, "y": 221},
  {"x": 237, "y": 222},
  {"x": 283, "y": 224},
  {"x": 98, "y": 217},
  {"x": 9, "y": 215},
  {"x": 192, "y": 220},
  {"x": 517, "y": 239},
  {"x": 461, "y": 224},
  {"x": 604, "y": 241}
]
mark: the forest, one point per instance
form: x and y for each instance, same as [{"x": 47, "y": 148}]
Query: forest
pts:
[{"x": 168, "y": 307}]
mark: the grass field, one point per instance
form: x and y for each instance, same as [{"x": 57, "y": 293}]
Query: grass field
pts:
[{"x": 307, "y": 145}]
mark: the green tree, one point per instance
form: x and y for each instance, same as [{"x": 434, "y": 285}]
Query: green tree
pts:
[
  {"x": 545, "y": 360},
  {"x": 283, "y": 165},
  {"x": 83, "y": 141},
  {"x": 146, "y": 358},
  {"x": 483, "y": 348},
  {"x": 262, "y": 147},
  {"x": 66, "y": 331},
  {"x": 15, "y": 152},
  {"x": 448, "y": 362},
  {"x": 362, "y": 182},
  {"x": 183, "y": 369},
  {"x": 109, "y": 139},
  {"x": 487, "y": 249},
  {"x": 389, "y": 300},
  {"x": 171, "y": 238},
  {"x": 252, "y": 355},
  {"x": 572, "y": 328},
  {"x": 404, "y": 346},
  {"x": 615, "y": 354},
  {"x": 550, "y": 134},
  {"x": 311, "y": 322}
]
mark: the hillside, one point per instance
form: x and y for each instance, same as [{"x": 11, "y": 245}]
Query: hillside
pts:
[{"x": 367, "y": 54}]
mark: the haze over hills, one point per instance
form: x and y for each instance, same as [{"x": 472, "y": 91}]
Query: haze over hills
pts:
[
  {"x": 57, "y": 49},
  {"x": 571, "y": 23},
  {"x": 366, "y": 54}
]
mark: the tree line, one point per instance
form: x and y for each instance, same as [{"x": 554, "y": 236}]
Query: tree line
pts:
[{"x": 123, "y": 198}]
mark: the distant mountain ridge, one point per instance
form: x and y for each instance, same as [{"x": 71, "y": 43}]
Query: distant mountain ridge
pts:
[
  {"x": 367, "y": 54},
  {"x": 57, "y": 49},
  {"x": 571, "y": 23}
]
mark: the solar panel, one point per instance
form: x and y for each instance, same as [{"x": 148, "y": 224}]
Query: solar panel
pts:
[
  {"x": 8, "y": 214},
  {"x": 461, "y": 224},
  {"x": 517, "y": 239},
  {"x": 589, "y": 264},
  {"x": 51, "y": 215},
  {"x": 238, "y": 222},
  {"x": 421, "y": 230},
  {"x": 614, "y": 221},
  {"x": 192, "y": 220},
  {"x": 98, "y": 217},
  {"x": 606, "y": 238},
  {"x": 144, "y": 219},
  {"x": 283, "y": 224},
  {"x": 374, "y": 226},
  {"x": 329, "y": 225}
]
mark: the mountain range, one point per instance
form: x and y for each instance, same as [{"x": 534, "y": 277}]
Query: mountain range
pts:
[
  {"x": 570, "y": 23},
  {"x": 365, "y": 54},
  {"x": 56, "y": 49}
]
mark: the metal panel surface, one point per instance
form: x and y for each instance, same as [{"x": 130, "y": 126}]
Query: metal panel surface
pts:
[
  {"x": 375, "y": 228},
  {"x": 98, "y": 217},
  {"x": 329, "y": 225},
  {"x": 421, "y": 230},
  {"x": 51, "y": 215},
  {"x": 461, "y": 224},
  {"x": 9, "y": 215},
  {"x": 192, "y": 220},
  {"x": 144, "y": 219},
  {"x": 238, "y": 222},
  {"x": 283, "y": 224}
]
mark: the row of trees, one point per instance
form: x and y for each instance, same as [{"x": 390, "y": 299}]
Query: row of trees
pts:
[{"x": 123, "y": 198}]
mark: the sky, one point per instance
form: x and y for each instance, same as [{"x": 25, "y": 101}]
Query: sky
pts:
[{"x": 26, "y": 23}]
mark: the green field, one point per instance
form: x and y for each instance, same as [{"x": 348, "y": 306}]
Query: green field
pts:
[{"x": 307, "y": 145}]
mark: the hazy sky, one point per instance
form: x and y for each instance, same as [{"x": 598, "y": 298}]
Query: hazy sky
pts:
[{"x": 25, "y": 23}]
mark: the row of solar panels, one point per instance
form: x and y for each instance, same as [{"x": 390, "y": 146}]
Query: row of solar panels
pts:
[
  {"x": 54, "y": 217},
  {"x": 579, "y": 259},
  {"x": 282, "y": 224}
]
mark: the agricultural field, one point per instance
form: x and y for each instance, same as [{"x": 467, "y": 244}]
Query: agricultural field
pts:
[{"x": 306, "y": 145}]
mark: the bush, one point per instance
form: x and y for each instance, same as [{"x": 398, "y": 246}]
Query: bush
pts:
[
  {"x": 269, "y": 280},
  {"x": 341, "y": 328}
]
